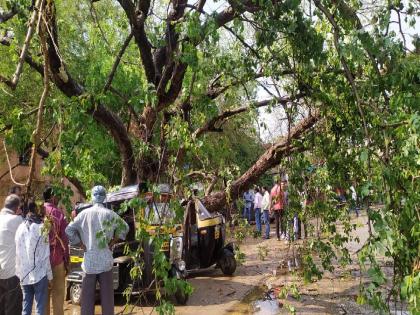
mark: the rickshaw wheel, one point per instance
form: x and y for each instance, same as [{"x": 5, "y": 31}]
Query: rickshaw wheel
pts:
[
  {"x": 227, "y": 263},
  {"x": 75, "y": 293}
]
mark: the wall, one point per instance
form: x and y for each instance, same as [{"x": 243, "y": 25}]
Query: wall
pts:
[{"x": 20, "y": 175}]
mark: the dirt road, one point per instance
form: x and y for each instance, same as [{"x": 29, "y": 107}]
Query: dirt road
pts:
[{"x": 215, "y": 293}]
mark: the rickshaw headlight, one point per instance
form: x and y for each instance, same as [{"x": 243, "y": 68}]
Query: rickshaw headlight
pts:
[{"x": 176, "y": 249}]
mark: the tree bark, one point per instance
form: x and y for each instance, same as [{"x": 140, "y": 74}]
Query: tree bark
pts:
[{"x": 217, "y": 201}]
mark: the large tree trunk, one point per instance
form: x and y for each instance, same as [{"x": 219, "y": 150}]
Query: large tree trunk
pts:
[{"x": 217, "y": 201}]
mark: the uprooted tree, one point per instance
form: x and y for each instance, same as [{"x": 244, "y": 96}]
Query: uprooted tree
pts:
[{"x": 178, "y": 88}]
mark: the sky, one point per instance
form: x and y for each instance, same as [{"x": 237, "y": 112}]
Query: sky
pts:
[{"x": 273, "y": 121}]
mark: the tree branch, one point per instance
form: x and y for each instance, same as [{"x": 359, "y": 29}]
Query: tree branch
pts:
[
  {"x": 137, "y": 17},
  {"x": 270, "y": 158},
  {"x": 117, "y": 61},
  {"x": 15, "y": 79},
  {"x": 5, "y": 16},
  {"x": 210, "y": 126}
]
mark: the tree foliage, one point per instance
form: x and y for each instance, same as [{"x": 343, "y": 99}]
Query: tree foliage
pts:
[{"x": 156, "y": 91}]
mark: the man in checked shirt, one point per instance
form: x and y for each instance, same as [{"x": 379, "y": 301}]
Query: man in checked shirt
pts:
[{"x": 96, "y": 229}]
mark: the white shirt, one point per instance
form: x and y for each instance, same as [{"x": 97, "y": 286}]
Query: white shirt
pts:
[
  {"x": 258, "y": 200},
  {"x": 265, "y": 203},
  {"x": 32, "y": 253},
  {"x": 9, "y": 223},
  {"x": 353, "y": 193},
  {"x": 95, "y": 227}
]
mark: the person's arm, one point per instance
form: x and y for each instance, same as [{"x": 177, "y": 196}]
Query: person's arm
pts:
[
  {"x": 72, "y": 231},
  {"x": 120, "y": 230},
  {"x": 65, "y": 242},
  {"x": 17, "y": 261},
  {"x": 46, "y": 259}
]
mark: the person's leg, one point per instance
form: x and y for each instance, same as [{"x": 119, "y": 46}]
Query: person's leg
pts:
[
  {"x": 258, "y": 219},
  {"x": 283, "y": 223},
  {"x": 41, "y": 295},
  {"x": 107, "y": 292},
  {"x": 277, "y": 223},
  {"x": 267, "y": 223},
  {"x": 3, "y": 292},
  {"x": 296, "y": 226},
  {"x": 28, "y": 299},
  {"x": 10, "y": 296},
  {"x": 58, "y": 289},
  {"x": 299, "y": 235},
  {"x": 88, "y": 294}
]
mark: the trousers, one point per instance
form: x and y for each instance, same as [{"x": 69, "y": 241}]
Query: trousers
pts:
[
  {"x": 106, "y": 293},
  {"x": 39, "y": 291},
  {"x": 267, "y": 223},
  {"x": 279, "y": 222},
  {"x": 57, "y": 291},
  {"x": 258, "y": 219},
  {"x": 10, "y": 296}
]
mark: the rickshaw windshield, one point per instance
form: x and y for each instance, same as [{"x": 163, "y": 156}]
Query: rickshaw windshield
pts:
[
  {"x": 203, "y": 213},
  {"x": 161, "y": 213}
]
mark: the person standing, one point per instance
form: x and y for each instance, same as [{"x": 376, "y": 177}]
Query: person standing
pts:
[
  {"x": 33, "y": 261},
  {"x": 257, "y": 204},
  {"x": 265, "y": 206},
  {"x": 277, "y": 206},
  {"x": 96, "y": 229},
  {"x": 10, "y": 292},
  {"x": 59, "y": 252},
  {"x": 17, "y": 190},
  {"x": 248, "y": 200},
  {"x": 354, "y": 205}
]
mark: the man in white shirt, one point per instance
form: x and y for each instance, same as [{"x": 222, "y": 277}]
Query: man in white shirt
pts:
[
  {"x": 33, "y": 261},
  {"x": 257, "y": 205},
  {"x": 265, "y": 206},
  {"x": 10, "y": 292}
]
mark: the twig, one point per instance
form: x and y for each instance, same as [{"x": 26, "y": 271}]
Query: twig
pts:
[
  {"x": 25, "y": 47},
  {"x": 39, "y": 122},
  {"x": 401, "y": 31},
  {"x": 10, "y": 166},
  {"x": 117, "y": 61}
]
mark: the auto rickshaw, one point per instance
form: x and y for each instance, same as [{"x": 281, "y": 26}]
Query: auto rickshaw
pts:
[
  {"x": 158, "y": 211},
  {"x": 204, "y": 236}
]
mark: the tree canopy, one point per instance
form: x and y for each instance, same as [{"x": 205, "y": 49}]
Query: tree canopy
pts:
[{"x": 122, "y": 91}]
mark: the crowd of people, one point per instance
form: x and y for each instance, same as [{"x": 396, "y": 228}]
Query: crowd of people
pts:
[
  {"x": 267, "y": 204},
  {"x": 273, "y": 203},
  {"x": 34, "y": 253}
]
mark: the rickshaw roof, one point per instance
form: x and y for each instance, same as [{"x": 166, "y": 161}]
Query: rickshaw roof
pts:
[
  {"x": 132, "y": 191},
  {"x": 124, "y": 193}
]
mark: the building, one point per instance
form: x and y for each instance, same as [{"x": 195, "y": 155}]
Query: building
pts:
[{"x": 19, "y": 171}]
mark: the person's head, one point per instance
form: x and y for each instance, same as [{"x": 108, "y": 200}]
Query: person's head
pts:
[
  {"x": 34, "y": 209},
  {"x": 16, "y": 190},
  {"x": 49, "y": 195},
  {"x": 283, "y": 184},
  {"x": 263, "y": 189},
  {"x": 12, "y": 202},
  {"x": 257, "y": 189},
  {"x": 98, "y": 194}
]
